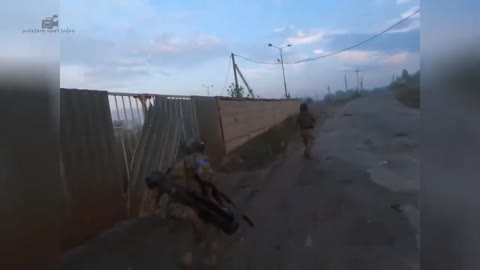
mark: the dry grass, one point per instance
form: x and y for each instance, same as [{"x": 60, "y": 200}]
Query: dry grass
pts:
[{"x": 264, "y": 149}]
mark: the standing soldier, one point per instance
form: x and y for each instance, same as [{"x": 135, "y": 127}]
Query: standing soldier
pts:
[
  {"x": 307, "y": 122},
  {"x": 190, "y": 173}
]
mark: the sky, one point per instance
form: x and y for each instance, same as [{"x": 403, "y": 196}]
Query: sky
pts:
[{"x": 175, "y": 47}]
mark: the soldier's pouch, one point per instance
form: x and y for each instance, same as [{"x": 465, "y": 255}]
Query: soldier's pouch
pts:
[{"x": 180, "y": 212}]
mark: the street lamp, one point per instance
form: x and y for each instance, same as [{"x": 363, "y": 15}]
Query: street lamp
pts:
[
  {"x": 208, "y": 88},
  {"x": 281, "y": 61}
]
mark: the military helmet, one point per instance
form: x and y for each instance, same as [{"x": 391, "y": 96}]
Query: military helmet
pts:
[
  {"x": 303, "y": 107},
  {"x": 196, "y": 146}
]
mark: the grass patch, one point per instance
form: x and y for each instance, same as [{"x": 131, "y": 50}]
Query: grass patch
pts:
[
  {"x": 262, "y": 150},
  {"x": 408, "y": 96}
]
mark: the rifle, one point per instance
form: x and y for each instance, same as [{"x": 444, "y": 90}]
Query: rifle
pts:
[
  {"x": 216, "y": 213},
  {"x": 220, "y": 197}
]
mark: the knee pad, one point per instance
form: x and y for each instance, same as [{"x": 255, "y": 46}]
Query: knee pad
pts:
[{"x": 212, "y": 246}]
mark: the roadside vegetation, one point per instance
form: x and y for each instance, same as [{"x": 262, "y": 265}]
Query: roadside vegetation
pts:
[
  {"x": 340, "y": 96},
  {"x": 266, "y": 148},
  {"x": 407, "y": 89},
  {"x": 262, "y": 150}
]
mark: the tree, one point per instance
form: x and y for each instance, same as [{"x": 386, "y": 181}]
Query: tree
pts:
[
  {"x": 235, "y": 92},
  {"x": 329, "y": 97},
  {"x": 414, "y": 80},
  {"x": 308, "y": 100},
  {"x": 405, "y": 75}
]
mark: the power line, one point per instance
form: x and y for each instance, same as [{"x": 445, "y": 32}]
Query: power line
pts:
[
  {"x": 226, "y": 79},
  {"x": 255, "y": 61},
  {"x": 358, "y": 44},
  {"x": 339, "y": 51}
]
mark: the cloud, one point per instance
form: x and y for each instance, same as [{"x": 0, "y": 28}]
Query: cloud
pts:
[
  {"x": 108, "y": 60},
  {"x": 82, "y": 49},
  {"x": 358, "y": 56},
  {"x": 137, "y": 44},
  {"x": 297, "y": 36},
  {"x": 115, "y": 44},
  {"x": 387, "y": 43},
  {"x": 30, "y": 46},
  {"x": 384, "y": 63},
  {"x": 367, "y": 60},
  {"x": 165, "y": 44},
  {"x": 116, "y": 73},
  {"x": 100, "y": 77},
  {"x": 101, "y": 59},
  {"x": 401, "y": 2},
  {"x": 252, "y": 73},
  {"x": 396, "y": 59},
  {"x": 73, "y": 76},
  {"x": 413, "y": 23},
  {"x": 305, "y": 39},
  {"x": 118, "y": 18},
  {"x": 165, "y": 51},
  {"x": 287, "y": 29}
]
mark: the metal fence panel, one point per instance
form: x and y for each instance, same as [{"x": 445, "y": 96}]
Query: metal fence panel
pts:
[
  {"x": 111, "y": 141},
  {"x": 129, "y": 117},
  {"x": 90, "y": 167},
  {"x": 156, "y": 150}
]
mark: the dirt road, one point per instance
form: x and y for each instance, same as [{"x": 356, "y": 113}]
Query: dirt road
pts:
[{"x": 352, "y": 207}]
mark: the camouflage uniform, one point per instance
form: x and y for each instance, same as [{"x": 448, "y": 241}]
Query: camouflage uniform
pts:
[
  {"x": 183, "y": 174},
  {"x": 307, "y": 123}
]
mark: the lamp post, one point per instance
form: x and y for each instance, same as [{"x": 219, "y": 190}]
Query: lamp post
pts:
[
  {"x": 208, "y": 88},
  {"x": 281, "y": 61}
]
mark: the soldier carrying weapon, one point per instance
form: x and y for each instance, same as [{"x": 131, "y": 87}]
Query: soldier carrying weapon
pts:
[
  {"x": 187, "y": 192},
  {"x": 307, "y": 123}
]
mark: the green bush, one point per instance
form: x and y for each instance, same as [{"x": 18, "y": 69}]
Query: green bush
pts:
[{"x": 408, "y": 96}]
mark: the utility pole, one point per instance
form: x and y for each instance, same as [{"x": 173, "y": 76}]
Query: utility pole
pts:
[
  {"x": 283, "y": 71},
  {"x": 208, "y": 88},
  {"x": 328, "y": 89},
  {"x": 346, "y": 85},
  {"x": 361, "y": 83},
  {"x": 283, "y": 68},
  {"x": 235, "y": 71},
  {"x": 250, "y": 91},
  {"x": 358, "y": 79}
]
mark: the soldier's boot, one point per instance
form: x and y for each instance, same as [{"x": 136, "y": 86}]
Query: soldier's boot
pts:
[
  {"x": 308, "y": 153},
  {"x": 211, "y": 261},
  {"x": 186, "y": 263}
]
